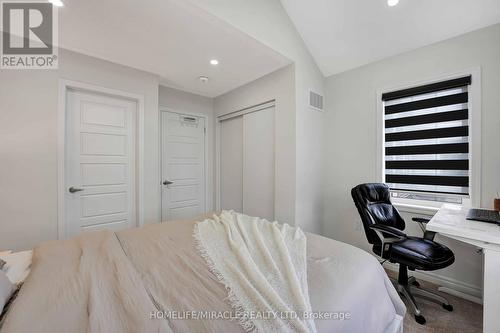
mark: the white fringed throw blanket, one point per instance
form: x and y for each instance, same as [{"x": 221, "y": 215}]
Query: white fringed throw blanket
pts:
[{"x": 263, "y": 266}]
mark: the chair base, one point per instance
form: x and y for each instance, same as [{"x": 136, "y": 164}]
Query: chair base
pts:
[{"x": 408, "y": 287}]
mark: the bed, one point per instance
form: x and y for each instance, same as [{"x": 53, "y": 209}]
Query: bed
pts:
[{"x": 129, "y": 280}]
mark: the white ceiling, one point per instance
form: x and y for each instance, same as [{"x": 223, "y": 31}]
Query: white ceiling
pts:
[
  {"x": 345, "y": 34},
  {"x": 170, "y": 38}
]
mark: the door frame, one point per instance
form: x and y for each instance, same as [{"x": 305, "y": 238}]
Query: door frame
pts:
[
  {"x": 68, "y": 85},
  {"x": 206, "y": 165},
  {"x": 233, "y": 114}
]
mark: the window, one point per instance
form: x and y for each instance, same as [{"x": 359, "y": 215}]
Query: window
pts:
[{"x": 427, "y": 141}]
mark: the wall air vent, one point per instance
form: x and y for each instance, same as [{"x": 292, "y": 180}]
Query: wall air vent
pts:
[{"x": 315, "y": 101}]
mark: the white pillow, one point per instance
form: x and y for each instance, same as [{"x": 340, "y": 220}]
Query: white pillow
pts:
[
  {"x": 17, "y": 265},
  {"x": 6, "y": 289}
]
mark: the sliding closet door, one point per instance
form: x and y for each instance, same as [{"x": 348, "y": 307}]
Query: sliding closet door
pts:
[
  {"x": 231, "y": 164},
  {"x": 247, "y": 163},
  {"x": 258, "y": 163}
]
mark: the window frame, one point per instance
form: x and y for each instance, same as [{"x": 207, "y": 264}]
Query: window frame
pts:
[{"x": 425, "y": 206}]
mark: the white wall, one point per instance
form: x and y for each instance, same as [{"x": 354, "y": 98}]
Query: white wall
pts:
[
  {"x": 351, "y": 135},
  {"x": 267, "y": 21},
  {"x": 28, "y": 145},
  {"x": 28, "y": 153},
  {"x": 279, "y": 86},
  {"x": 180, "y": 101}
]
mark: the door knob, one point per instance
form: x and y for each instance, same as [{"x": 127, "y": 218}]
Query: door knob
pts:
[
  {"x": 74, "y": 189},
  {"x": 167, "y": 182}
]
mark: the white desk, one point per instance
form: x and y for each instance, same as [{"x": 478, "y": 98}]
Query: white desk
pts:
[{"x": 450, "y": 221}]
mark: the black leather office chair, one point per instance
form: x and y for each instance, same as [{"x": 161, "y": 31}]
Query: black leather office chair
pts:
[{"x": 384, "y": 229}]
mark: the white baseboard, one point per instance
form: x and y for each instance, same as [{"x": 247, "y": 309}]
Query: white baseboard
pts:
[
  {"x": 461, "y": 295},
  {"x": 447, "y": 285}
]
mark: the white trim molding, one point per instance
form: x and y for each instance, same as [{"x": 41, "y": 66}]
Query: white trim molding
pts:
[
  {"x": 475, "y": 108},
  {"x": 66, "y": 85},
  {"x": 251, "y": 109},
  {"x": 416, "y": 208}
]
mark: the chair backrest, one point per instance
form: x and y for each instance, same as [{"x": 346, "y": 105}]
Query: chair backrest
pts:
[{"x": 374, "y": 206}]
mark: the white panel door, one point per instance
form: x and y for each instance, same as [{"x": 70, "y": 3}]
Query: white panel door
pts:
[
  {"x": 258, "y": 163},
  {"x": 231, "y": 164},
  {"x": 183, "y": 166},
  {"x": 100, "y": 163}
]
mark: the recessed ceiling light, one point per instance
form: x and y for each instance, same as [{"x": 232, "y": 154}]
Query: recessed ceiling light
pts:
[
  {"x": 214, "y": 62},
  {"x": 203, "y": 79},
  {"x": 392, "y": 3},
  {"x": 57, "y": 3}
]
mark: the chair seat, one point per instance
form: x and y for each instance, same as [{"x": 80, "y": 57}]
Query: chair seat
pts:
[{"x": 419, "y": 253}]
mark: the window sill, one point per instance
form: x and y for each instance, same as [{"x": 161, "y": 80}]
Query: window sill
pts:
[{"x": 416, "y": 209}]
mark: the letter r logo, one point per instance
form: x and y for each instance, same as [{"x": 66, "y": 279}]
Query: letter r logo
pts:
[{"x": 27, "y": 28}]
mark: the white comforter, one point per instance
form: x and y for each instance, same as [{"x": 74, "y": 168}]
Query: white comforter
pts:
[
  {"x": 345, "y": 278},
  {"x": 105, "y": 282}
]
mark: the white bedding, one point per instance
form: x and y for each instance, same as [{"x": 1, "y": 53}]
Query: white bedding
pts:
[
  {"x": 344, "y": 278},
  {"x": 341, "y": 279},
  {"x": 17, "y": 265},
  {"x": 264, "y": 267}
]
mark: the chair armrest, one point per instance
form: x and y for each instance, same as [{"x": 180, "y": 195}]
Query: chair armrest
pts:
[
  {"x": 382, "y": 230},
  {"x": 388, "y": 230},
  {"x": 420, "y": 220}
]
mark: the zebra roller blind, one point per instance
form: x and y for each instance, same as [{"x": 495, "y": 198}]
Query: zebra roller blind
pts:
[{"x": 427, "y": 138}]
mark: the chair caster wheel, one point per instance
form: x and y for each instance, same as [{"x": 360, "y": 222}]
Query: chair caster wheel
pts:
[
  {"x": 420, "y": 319},
  {"x": 448, "y": 307},
  {"x": 416, "y": 284}
]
